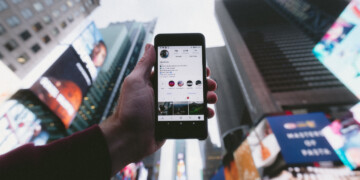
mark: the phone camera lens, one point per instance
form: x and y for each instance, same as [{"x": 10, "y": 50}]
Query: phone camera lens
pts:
[{"x": 164, "y": 53}]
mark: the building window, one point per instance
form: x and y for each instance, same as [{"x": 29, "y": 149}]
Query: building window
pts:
[
  {"x": 25, "y": 35},
  {"x": 12, "y": 67},
  {"x": 3, "y": 5},
  {"x": 23, "y": 58},
  {"x": 13, "y": 21},
  {"x": 63, "y": 25},
  {"x": 35, "y": 48},
  {"x": 63, "y": 8},
  {"x": 56, "y": 13},
  {"x": 26, "y": 13},
  {"x": 55, "y": 31},
  {"x": 38, "y": 6},
  {"x": 37, "y": 27},
  {"x": 46, "y": 39},
  {"x": 17, "y": 1},
  {"x": 11, "y": 45},
  {"x": 70, "y": 18},
  {"x": 47, "y": 19},
  {"x": 70, "y": 3},
  {"x": 49, "y": 2},
  {"x": 2, "y": 30}
]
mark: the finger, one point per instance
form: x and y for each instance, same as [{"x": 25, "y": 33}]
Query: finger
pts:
[
  {"x": 145, "y": 64},
  {"x": 211, "y": 97},
  {"x": 207, "y": 71},
  {"x": 211, "y": 113},
  {"x": 160, "y": 143},
  {"x": 211, "y": 85}
]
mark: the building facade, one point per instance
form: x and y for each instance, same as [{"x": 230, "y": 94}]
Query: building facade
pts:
[
  {"x": 270, "y": 46},
  {"x": 30, "y": 29}
]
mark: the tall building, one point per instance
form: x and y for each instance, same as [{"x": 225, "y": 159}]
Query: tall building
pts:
[
  {"x": 270, "y": 46},
  {"x": 126, "y": 43},
  {"x": 30, "y": 29}
]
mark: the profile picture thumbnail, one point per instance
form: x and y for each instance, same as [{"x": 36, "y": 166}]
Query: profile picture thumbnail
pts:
[
  {"x": 198, "y": 83},
  {"x": 164, "y": 53},
  {"x": 189, "y": 83},
  {"x": 171, "y": 83},
  {"x": 180, "y": 83}
]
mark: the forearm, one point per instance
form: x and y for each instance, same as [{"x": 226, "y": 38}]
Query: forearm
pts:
[{"x": 83, "y": 155}]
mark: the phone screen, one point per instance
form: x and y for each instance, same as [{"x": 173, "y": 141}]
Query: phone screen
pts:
[{"x": 180, "y": 83}]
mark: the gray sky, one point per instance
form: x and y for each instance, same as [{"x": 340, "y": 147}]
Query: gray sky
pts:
[{"x": 174, "y": 16}]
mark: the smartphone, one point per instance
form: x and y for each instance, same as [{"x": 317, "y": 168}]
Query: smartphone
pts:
[{"x": 180, "y": 86}]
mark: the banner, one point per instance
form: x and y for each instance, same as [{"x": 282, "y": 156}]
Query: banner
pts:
[{"x": 63, "y": 85}]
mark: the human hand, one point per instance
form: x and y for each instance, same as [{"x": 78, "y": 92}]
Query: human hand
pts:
[{"x": 130, "y": 131}]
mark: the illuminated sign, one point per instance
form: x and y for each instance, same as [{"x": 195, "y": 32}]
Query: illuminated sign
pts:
[
  {"x": 63, "y": 85},
  {"x": 339, "y": 49}
]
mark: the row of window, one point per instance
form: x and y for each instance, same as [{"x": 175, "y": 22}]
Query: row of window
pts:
[
  {"x": 25, "y": 35},
  {"x": 14, "y": 21},
  {"x": 38, "y": 6}
]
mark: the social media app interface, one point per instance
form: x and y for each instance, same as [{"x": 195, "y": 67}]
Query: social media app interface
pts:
[{"x": 180, "y": 83}]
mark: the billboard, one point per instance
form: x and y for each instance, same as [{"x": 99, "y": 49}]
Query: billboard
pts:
[
  {"x": 17, "y": 126},
  {"x": 300, "y": 138},
  {"x": 63, "y": 85},
  {"x": 289, "y": 147},
  {"x": 344, "y": 136},
  {"x": 339, "y": 49},
  {"x": 91, "y": 48}
]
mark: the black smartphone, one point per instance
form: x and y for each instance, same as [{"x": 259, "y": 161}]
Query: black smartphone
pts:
[{"x": 180, "y": 86}]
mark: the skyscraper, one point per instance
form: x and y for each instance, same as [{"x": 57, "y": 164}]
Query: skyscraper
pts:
[
  {"x": 30, "y": 29},
  {"x": 271, "y": 51}
]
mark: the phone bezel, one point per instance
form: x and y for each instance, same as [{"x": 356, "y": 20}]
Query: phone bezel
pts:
[{"x": 181, "y": 129}]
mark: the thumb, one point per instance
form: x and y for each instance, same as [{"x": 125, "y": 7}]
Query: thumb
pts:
[{"x": 146, "y": 63}]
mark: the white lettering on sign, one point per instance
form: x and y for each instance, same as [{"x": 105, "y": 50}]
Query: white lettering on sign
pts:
[
  {"x": 54, "y": 92},
  {"x": 65, "y": 104},
  {"x": 50, "y": 87}
]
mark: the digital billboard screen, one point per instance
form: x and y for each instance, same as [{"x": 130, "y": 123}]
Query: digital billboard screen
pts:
[
  {"x": 339, "y": 49},
  {"x": 91, "y": 48},
  {"x": 63, "y": 85}
]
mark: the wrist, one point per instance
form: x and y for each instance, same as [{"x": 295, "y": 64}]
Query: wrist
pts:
[{"x": 119, "y": 144}]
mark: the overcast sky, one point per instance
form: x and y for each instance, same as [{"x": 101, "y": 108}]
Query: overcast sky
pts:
[{"x": 174, "y": 16}]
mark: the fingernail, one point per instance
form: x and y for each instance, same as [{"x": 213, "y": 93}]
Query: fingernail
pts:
[{"x": 147, "y": 47}]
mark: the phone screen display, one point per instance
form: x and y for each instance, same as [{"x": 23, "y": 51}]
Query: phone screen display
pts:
[{"x": 180, "y": 83}]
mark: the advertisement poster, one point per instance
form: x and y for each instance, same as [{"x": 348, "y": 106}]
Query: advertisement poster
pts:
[
  {"x": 344, "y": 136},
  {"x": 300, "y": 138},
  {"x": 91, "y": 48},
  {"x": 17, "y": 126},
  {"x": 290, "y": 147},
  {"x": 63, "y": 85},
  {"x": 339, "y": 49}
]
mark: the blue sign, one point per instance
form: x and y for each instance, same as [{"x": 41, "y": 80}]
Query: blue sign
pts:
[{"x": 300, "y": 138}]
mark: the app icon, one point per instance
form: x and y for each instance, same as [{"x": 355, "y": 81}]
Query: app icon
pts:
[
  {"x": 180, "y": 83},
  {"x": 198, "y": 83},
  {"x": 171, "y": 83},
  {"x": 164, "y": 53},
  {"x": 189, "y": 83}
]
